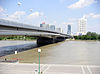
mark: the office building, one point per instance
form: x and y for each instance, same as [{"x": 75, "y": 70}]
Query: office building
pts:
[
  {"x": 69, "y": 29},
  {"x": 82, "y": 26},
  {"x": 52, "y": 27}
]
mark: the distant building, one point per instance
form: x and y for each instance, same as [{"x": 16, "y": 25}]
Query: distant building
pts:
[
  {"x": 47, "y": 26},
  {"x": 52, "y": 27},
  {"x": 43, "y": 25},
  {"x": 59, "y": 30},
  {"x": 82, "y": 26},
  {"x": 69, "y": 29}
]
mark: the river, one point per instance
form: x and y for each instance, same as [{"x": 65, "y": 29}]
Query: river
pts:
[
  {"x": 67, "y": 52},
  {"x": 8, "y": 47}
]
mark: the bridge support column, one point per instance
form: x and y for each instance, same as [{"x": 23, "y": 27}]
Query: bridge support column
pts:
[
  {"x": 45, "y": 41},
  {"x": 59, "y": 39}
]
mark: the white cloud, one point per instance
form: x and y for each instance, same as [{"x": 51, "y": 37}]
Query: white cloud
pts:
[
  {"x": 93, "y": 15},
  {"x": 16, "y": 16},
  {"x": 22, "y": 17},
  {"x": 81, "y": 4},
  {"x": 96, "y": 16},
  {"x": 35, "y": 15},
  {"x": 1, "y": 9},
  {"x": 19, "y": 14}
]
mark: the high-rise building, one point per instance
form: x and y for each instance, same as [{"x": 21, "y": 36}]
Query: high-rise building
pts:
[
  {"x": 82, "y": 26},
  {"x": 52, "y": 27},
  {"x": 69, "y": 29}
]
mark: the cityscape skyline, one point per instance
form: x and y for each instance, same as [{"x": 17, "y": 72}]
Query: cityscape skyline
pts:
[{"x": 58, "y": 12}]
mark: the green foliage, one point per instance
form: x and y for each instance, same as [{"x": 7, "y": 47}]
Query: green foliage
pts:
[
  {"x": 17, "y": 38},
  {"x": 88, "y": 36}
]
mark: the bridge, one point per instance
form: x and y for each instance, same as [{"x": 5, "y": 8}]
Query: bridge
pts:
[{"x": 44, "y": 36}]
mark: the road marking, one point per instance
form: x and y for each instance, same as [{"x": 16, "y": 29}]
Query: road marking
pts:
[
  {"x": 89, "y": 69},
  {"x": 83, "y": 70},
  {"x": 42, "y": 68},
  {"x": 46, "y": 69}
]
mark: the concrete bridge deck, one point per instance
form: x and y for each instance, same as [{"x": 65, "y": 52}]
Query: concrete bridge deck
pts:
[{"x": 17, "y": 68}]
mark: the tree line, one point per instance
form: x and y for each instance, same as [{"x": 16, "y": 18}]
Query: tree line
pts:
[
  {"x": 88, "y": 36},
  {"x": 17, "y": 38}
]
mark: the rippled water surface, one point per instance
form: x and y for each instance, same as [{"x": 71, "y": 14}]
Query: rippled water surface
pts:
[{"x": 8, "y": 47}]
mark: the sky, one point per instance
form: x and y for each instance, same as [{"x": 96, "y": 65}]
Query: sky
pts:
[{"x": 56, "y": 12}]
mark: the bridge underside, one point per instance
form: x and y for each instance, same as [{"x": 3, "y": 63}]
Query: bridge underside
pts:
[{"x": 45, "y": 41}]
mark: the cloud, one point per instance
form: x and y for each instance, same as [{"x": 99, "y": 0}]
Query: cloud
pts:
[
  {"x": 18, "y": 15},
  {"x": 96, "y": 16},
  {"x": 35, "y": 15},
  {"x": 1, "y": 9},
  {"x": 81, "y": 4},
  {"x": 92, "y": 15},
  {"x": 15, "y": 16},
  {"x": 22, "y": 17}
]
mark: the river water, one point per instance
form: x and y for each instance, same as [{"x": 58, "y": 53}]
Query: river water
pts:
[
  {"x": 67, "y": 52},
  {"x": 73, "y": 52},
  {"x": 8, "y": 47}
]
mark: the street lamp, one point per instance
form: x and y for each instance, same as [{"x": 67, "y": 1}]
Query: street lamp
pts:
[{"x": 39, "y": 51}]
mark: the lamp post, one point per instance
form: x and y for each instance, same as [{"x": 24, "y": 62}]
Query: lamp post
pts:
[{"x": 39, "y": 51}]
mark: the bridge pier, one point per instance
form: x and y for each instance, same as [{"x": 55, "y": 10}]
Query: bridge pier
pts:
[
  {"x": 44, "y": 41},
  {"x": 59, "y": 39}
]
